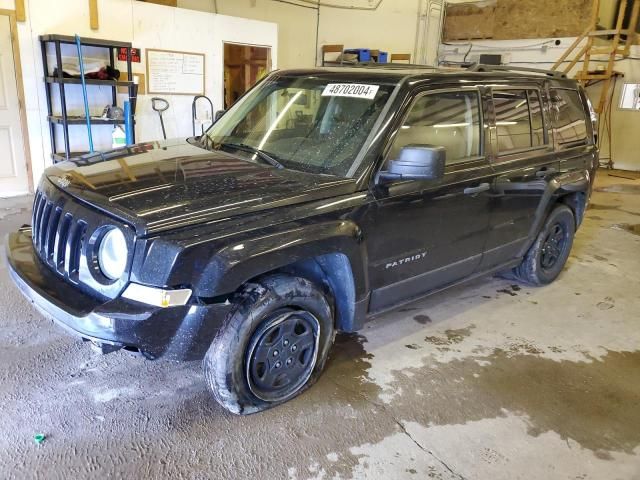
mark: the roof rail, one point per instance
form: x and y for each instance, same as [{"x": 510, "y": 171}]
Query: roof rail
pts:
[
  {"x": 479, "y": 67},
  {"x": 386, "y": 66}
]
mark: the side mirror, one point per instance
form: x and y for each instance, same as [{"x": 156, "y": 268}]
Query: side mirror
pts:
[
  {"x": 217, "y": 115},
  {"x": 416, "y": 162}
]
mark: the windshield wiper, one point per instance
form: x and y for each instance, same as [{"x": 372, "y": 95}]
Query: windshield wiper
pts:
[{"x": 264, "y": 156}]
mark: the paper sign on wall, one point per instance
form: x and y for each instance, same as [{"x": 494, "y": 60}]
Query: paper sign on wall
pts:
[{"x": 175, "y": 73}]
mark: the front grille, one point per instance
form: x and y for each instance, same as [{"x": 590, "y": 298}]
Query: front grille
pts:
[{"x": 58, "y": 237}]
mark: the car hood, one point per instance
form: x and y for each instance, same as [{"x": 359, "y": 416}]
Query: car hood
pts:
[{"x": 159, "y": 186}]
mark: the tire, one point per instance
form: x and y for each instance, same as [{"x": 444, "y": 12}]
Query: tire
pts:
[
  {"x": 277, "y": 319},
  {"x": 547, "y": 256}
]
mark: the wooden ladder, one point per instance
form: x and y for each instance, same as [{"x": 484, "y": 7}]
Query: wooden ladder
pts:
[{"x": 617, "y": 47}]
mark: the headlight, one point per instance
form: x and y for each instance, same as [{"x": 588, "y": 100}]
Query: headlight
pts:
[{"x": 113, "y": 253}]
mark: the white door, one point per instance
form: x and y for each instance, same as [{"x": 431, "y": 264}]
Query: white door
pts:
[{"x": 13, "y": 167}]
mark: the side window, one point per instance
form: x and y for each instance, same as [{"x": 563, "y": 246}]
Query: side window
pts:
[
  {"x": 519, "y": 120},
  {"x": 446, "y": 119},
  {"x": 571, "y": 122}
]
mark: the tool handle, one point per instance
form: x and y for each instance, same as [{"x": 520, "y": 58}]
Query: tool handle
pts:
[{"x": 159, "y": 104}]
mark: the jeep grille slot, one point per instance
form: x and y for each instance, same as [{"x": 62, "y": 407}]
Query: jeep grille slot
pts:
[
  {"x": 60, "y": 248},
  {"x": 38, "y": 206},
  {"x": 52, "y": 228},
  {"x": 74, "y": 248},
  {"x": 58, "y": 237}
]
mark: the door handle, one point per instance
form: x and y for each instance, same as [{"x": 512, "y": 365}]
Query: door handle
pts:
[
  {"x": 483, "y": 187},
  {"x": 543, "y": 172}
]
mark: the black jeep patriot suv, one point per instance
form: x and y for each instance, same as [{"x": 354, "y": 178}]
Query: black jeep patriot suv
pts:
[{"x": 320, "y": 198}]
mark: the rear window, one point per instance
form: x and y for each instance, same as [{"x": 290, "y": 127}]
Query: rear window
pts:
[
  {"x": 570, "y": 120},
  {"x": 519, "y": 122}
]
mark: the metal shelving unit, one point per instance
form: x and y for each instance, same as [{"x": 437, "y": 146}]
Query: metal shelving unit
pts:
[{"x": 64, "y": 119}]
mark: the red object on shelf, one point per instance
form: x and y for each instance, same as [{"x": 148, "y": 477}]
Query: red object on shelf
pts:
[{"x": 135, "y": 54}]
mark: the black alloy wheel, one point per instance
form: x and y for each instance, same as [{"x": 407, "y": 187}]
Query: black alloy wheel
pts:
[
  {"x": 282, "y": 354},
  {"x": 553, "y": 246},
  {"x": 549, "y": 252}
]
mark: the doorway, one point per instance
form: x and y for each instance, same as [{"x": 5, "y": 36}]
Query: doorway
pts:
[
  {"x": 244, "y": 65},
  {"x": 14, "y": 173}
]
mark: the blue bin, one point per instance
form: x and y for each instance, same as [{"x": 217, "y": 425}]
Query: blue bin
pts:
[
  {"x": 383, "y": 57},
  {"x": 364, "y": 54}
]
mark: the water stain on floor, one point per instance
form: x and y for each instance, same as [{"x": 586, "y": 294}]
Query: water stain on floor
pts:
[
  {"x": 349, "y": 361},
  {"x": 622, "y": 188},
  {"x": 635, "y": 229},
  {"x": 422, "y": 319},
  {"x": 594, "y": 206},
  {"x": 450, "y": 337},
  {"x": 597, "y": 206},
  {"x": 607, "y": 304},
  {"x": 596, "y": 403}
]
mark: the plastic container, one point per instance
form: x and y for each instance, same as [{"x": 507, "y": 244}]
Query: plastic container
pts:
[
  {"x": 118, "y": 137},
  {"x": 364, "y": 54}
]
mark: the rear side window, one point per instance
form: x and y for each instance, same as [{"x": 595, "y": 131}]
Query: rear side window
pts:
[
  {"x": 571, "y": 121},
  {"x": 445, "y": 119},
  {"x": 519, "y": 121}
]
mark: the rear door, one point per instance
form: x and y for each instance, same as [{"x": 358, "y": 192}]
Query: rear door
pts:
[
  {"x": 422, "y": 235},
  {"x": 523, "y": 159}
]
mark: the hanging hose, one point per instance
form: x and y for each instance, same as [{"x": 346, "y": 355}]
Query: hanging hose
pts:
[
  {"x": 193, "y": 113},
  {"x": 84, "y": 92}
]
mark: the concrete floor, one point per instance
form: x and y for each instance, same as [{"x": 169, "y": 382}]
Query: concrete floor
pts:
[{"x": 486, "y": 381}]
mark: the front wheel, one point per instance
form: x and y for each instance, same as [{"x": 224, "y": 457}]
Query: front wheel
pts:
[
  {"x": 273, "y": 345},
  {"x": 547, "y": 256}
]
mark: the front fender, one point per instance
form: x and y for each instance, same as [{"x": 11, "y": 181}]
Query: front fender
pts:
[{"x": 243, "y": 259}]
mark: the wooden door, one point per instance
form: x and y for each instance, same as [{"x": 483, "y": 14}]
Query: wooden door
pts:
[{"x": 244, "y": 65}]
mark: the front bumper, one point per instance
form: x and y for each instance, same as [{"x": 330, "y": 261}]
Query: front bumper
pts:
[{"x": 178, "y": 333}]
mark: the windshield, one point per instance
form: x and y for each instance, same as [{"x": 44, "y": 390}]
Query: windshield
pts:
[{"x": 303, "y": 123}]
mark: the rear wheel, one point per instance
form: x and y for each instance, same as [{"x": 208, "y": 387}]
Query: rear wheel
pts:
[
  {"x": 273, "y": 345},
  {"x": 547, "y": 256}
]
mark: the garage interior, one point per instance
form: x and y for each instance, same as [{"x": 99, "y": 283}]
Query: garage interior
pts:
[{"x": 491, "y": 379}]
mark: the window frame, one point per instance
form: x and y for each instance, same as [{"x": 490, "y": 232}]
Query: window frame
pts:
[
  {"x": 467, "y": 161},
  {"x": 531, "y": 151}
]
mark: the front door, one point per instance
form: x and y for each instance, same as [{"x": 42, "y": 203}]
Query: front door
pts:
[
  {"x": 13, "y": 167},
  {"x": 422, "y": 235}
]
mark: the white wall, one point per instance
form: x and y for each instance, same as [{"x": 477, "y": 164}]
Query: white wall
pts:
[
  {"x": 293, "y": 29},
  {"x": 296, "y": 25},
  {"x": 625, "y": 123},
  {"x": 390, "y": 27},
  {"x": 146, "y": 26},
  {"x": 393, "y": 27}
]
